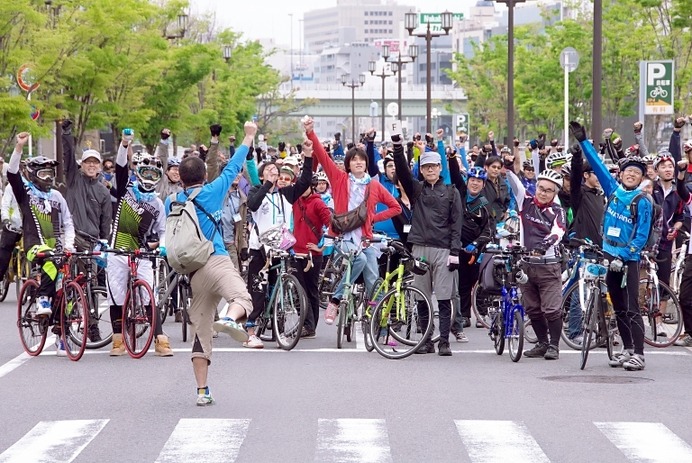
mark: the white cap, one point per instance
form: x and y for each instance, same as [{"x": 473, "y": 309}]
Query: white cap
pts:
[
  {"x": 91, "y": 154},
  {"x": 291, "y": 161}
]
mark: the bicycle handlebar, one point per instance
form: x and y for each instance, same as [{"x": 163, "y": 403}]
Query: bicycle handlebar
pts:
[
  {"x": 135, "y": 253},
  {"x": 514, "y": 250},
  {"x": 77, "y": 254}
]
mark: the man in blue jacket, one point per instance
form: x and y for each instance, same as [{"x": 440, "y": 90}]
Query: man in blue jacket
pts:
[{"x": 623, "y": 241}]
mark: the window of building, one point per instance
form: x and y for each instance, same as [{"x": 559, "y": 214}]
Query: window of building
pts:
[
  {"x": 390, "y": 14},
  {"x": 366, "y": 13}
]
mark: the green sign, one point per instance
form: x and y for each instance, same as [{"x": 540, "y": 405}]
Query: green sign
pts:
[
  {"x": 436, "y": 18},
  {"x": 658, "y": 80}
]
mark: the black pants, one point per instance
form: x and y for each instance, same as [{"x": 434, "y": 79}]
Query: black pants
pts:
[
  {"x": 8, "y": 240},
  {"x": 685, "y": 297},
  {"x": 665, "y": 262},
  {"x": 310, "y": 281},
  {"x": 626, "y": 305},
  {"x": 445, "y": 308},
  {"x": 468, "y": 276},
  {"x": 258, "y": 291}
]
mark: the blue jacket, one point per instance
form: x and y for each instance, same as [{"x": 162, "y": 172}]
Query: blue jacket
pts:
[{"x": 621, "y": 238}]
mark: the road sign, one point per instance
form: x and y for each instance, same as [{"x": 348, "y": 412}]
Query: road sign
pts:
[
  {"x": 435, "y": 20},
  {"x": 569, "y": 59},
  {"x": 25, "y": 79},
  {"x": 657, "y": 83},
  {"x": 461, "y": 122}
]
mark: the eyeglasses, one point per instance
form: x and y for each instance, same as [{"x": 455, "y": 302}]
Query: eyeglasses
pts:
[
  {"x": 429, "y": 166},
  {"x": 540, "y": 189},
  {"x": 286, "y": 179}
]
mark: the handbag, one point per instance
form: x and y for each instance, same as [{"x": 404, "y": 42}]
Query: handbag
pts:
[{"x": 349, "y": 221}]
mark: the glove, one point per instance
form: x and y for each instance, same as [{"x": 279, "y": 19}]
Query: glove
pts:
[
  {"x": 337, "y": 136},
  {"x": 577, "y": 130},
  {"x": 165, "y": 134},
  {"x": 396, "y": 139},
  {"x": 244, "y": 254},
  {"x": 533, "y": 144},
  {"x": 541, "y": 248},
  {"x": 299, "y": 148},
  {"x": 508, "y": 163},
  {"x": 258, "y": 150},
  {"x": 249, "y": 156},
  {"x": 162, "y": 251},
  {"x": 575, "y": 149},
  {"x": 638, "y": 127},
  {"x": 282, "y": 146},
  {"x": 452, "y": 263},
  {"x": 215, "y": 130},
  {"x": 66, "y": 127},
  {"x": 471, "y": 249},
  {"x": 679, "y": 123},
  {"x": 616, "y": 265},
  {"x": 516, "y": 142}
]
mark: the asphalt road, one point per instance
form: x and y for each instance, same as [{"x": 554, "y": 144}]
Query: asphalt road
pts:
[{"x": 320, "y": 404}]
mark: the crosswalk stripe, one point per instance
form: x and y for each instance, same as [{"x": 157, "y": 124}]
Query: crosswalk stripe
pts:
[
  {"x": 352, "y": 440},
  {"x": 489, "y": 441},
  {"x": 53, "y": 441},
  {"x": 209, "y": 440},
  {"x": 646, "y": 442}
]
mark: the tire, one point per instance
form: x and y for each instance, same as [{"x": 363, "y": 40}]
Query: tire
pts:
[
  {"x": 74, "y": 320},
  {"x": 341, "y": 324},
  {"x": 497, "y": 330},
  {"x": 32, "y": 330},
  {"x": 139, "y": 320},
  {"x": 573, "y": 319},
  {"x": 606, "y": 329},
  {"x": 289, "y": 312},
  {"x": 385, "y": 316},
  {"x": 100, "y": 316},
  {"x": 481, "y": 300},
  {"x": 5, "y": 286},
  {"x": 529, "y": 333},
  {"x": 184, "y": 299},
  {"x": 160, "y": 288},
  {"x": 328, "y": 280},
  {"x": 515, "y": 342},
  {"x": 401, "y": 332},
  {"x": 660, "y": 329},
  {"x": 588, "y": 331},
  {"x": 263, "y": 329}
]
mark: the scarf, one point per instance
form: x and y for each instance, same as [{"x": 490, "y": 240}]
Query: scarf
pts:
[
  {"x": 142, "y": 196},
  {"x": 44, "y": 196},
  {"x": 359, "y": 181}
]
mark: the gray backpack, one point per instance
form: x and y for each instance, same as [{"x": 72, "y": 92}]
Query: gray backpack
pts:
[{"x": 186, "y": 246}]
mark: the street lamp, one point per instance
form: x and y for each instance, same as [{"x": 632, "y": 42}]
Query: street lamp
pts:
[
  {"x": 53, "y": 11},
  {"x": 411, "y": 23},
  {"x": 352, "y": 85},
  {"x": 182, "y": 28},
  {"x": 510, "y": 67},
  {"x": 372, "y": 67},
  {"x": 397, "y": 65},
  {"x": 227, "y": 52}
]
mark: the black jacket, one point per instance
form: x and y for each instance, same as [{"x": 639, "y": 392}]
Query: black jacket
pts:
[
  {"x": 588, "y": 205},
  {"x": 476, "y": 218}
]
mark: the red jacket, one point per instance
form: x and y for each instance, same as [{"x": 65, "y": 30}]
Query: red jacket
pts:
[
  {"x": 319, "y": 215},
  {"x": 340, "y": 184}
]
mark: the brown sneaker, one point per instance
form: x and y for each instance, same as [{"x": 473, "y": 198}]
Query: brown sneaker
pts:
[
  {"x": 162, "y": 348},
  {"x": 178, "y": 316},
  {"x": 118, "y": 347}
]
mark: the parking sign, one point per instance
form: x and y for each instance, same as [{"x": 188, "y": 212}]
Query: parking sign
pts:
[{"x": 657, "y": 84}]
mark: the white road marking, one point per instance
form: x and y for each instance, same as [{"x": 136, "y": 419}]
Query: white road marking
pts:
[
  {"x": 489, "y": 441},
  {"x": 646, "y": 442},
  {"x": 22, "y": 358},
  {"x": 352, "y": 440},
  {"x": 209, "y": 440},
  {"x": 53, "y": 441}
]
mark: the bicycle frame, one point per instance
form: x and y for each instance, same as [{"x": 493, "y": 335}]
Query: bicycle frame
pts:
[
  {"x": 510, "y": 298},
  {"x": 281, "y": 267}
]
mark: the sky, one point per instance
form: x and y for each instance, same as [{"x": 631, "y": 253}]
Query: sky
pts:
[{"x": 258, "y": 19}]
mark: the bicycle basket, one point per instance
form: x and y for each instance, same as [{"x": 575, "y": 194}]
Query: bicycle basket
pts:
[
  {"x": 278, "y": 237},
  {"x": 416, "y": 267},
  {"x": 594, "y": 271}
]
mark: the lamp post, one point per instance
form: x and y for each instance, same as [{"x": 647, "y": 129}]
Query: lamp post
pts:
[
  {"x": 352, "y": 85},
  {"x": 372, "y": 67},
  {"x": 227, "y": 53},
  {"x": 411, "y": 23},
  {"x": 182, "y": 28},
  {"x": 510, "y": 66},
  {"x": 596, "y": 110},
  {"x": 400, "y": 61}
]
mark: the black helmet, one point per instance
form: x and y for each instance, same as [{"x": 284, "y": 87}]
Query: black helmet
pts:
[
  {"x": 632, "y": 161},
  {"x": 41, "y": 172}
]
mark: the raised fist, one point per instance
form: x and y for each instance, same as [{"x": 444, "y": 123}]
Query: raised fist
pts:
[
  {"x": 250, "y": 129},
  {"x": 165, "y": 134},
  {"x": 638, "y": 127},
  {"x": 215, "y": 130},
  {"x": 66, "y": 127}
]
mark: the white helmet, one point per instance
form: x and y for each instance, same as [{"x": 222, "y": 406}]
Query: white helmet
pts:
[
  {"x": 322, "y": 177},
  {"x": 556, "y": 159},
  {"x": 551, "y": 176},
  {"x": 148, "y": 170}
]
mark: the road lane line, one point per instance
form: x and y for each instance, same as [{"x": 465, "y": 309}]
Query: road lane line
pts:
[
  {"x": 53, "y": 441},
  {"x": 351, "y": 440},
  {"x": 489, "y": 441},
  {"x": 646, "y": 442},
  {"x": 208, "y": 440},
  {"x": 22, "y": 358}
]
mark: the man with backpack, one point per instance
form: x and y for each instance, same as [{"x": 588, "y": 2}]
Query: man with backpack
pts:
[
  {"x": 217, "y": 277},
  {"x": 626, "y": 230}
]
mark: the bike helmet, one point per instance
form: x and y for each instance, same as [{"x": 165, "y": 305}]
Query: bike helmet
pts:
[
  {"x": 661, "y": 158},
  {"x": 478, "y": 172},
  {"x": 566, "y": 170},
  {"x": 555, "y": 160},
  {"x": 632, "y": 151},
  {"x": 527, "y": 165},
  {"x": 551, "y": 176},
  {"x": 148, "y": 170},
  {"x": 632, "y": 161},
  {"x": 41, "y": 172},
  {"x": 506, "y": 149},
  {"x": 322, "y": 177},
  {"x": 649, "y": 158},
  {"x": 172, "y": 162}
]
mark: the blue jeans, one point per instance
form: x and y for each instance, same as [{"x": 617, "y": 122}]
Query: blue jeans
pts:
[{"x": 365, "y": 262}]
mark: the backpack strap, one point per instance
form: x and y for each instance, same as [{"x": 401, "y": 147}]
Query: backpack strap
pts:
[
  {"x": 191, "y": 197},
  {"x": 308, "y": 221}
]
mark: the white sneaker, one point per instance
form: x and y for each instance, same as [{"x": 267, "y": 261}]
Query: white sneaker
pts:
[
  {"x": 635, "y": 363},
  {"x": 253, "y": 342},
  {"x": 43, "y": 306},
  {"x": 60, "y": 348},
  {"x": 229, "y": 326}
]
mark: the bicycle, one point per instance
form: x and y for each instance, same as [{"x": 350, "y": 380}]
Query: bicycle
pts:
[
  {"x": 18, "y": 271},
  {"x": 679, "y": 263},
  {"x": 329, "y": 278},
  {"x": 507, "y": 318},
  {"x": 139, "y": 309},
  {"x": 287, "y": 304},
  {"x": 397, "y": 306},
  {"x": 73, "y": 314},
  {"x": 659, "y": 306},
  {"x": 166, "y": 288}
]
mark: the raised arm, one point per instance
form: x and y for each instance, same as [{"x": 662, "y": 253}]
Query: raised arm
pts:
[
  {"x": 577, "y": 164},
  {"x": 71, "y": 168},
  {"x": 370, "y": 150},
  {"x": 320, "y": 155},
  {"x": 639, "y": 138},
  {"x": 13, "y": 176},
  {"x": 517, "y": 188},
  {"x": 212, "y": 160},
  {"x": 162, "y": 149},
  {"x": 293, "y": 192},
  {"x": 403, "y": 173},
  {"x": 456, "y": 178},
  {"x": 441, "y": 150},
  {"x": 608, "y": 183}
]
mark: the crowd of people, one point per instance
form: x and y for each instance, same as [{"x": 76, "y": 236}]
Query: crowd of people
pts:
[{"x": 440, "y": 200}]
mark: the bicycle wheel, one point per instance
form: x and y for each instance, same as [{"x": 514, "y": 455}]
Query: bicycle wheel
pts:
[
  {"x": 161, "y": 286},
  {"x": 329, "y": 279},
  {"x": 661, "y": 313},
  {"x": 573, "y": 319},
  {"x": 32, "y": 330},
  {"x": 289, "y": 312},
  {"x": 100, "y": 327},
  {"x": 385, "y": 318},
  {"x": 588, "y": 330},
  {"x": 481, "y": 301},
  {"x": 515, "y": 339},
  {"x": 529, "y": 333},
  {"x": 403, "y": 331},
  {"x": 139, "y": 319},
  {"x": 263, "y": 328},
  {"x": 341, "y": 323},
  {"x": 497, "y": 332},
  {"x": 184, "y": 299},
  {"x": 74, "y": 320},
  {"x": 606, "y": 329}
]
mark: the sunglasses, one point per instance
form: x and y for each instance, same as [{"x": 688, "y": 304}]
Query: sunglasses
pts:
[{"x": 284, "y": 178}]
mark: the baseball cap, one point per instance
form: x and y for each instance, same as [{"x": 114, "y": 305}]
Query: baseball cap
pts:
[
  {"x": 91, "y": 154},
  {"x": 430, "y": 157}
]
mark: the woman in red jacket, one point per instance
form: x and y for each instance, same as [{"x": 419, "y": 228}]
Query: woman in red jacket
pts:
[
  {"x": 310, "y": 216},
  {"x": 349, "y": 188}
]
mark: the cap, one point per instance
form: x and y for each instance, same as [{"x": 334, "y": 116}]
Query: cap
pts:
[
  {"x": 430, "y": 157},
  {"x": 287, "y": 170},
  {"x": 291, "y": 161},
  {"x": 91, "y": 154}
]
